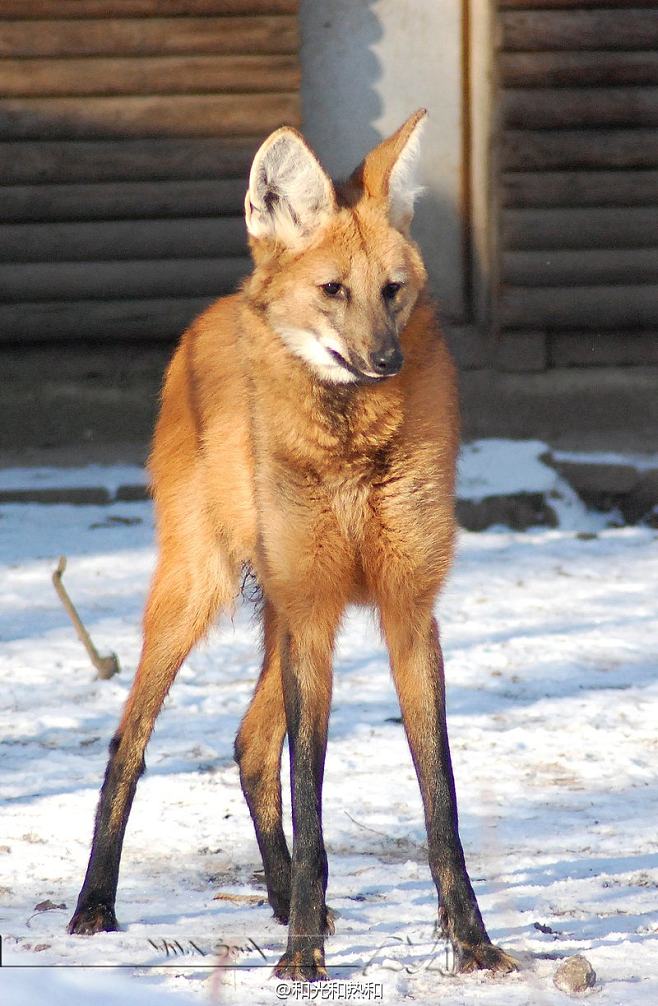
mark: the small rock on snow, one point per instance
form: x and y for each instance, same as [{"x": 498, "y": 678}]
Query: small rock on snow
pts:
[{"x": 574, "y": 975}]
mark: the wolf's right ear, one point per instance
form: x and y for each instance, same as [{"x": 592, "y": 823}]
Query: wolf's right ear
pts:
[{"x": 289, "y": 192}]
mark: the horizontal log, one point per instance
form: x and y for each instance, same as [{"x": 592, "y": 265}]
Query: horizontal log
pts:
[
  {"x": 579, "y": 307},
  {"x": 516, "y": 352},
  {"x": 542, "y": 108},
  {"x": 218, "y": 237},
  {"x": 582, "y": 267},
  {"x": 579, "y": 188},
  {"x": 147, "y": 75},
  {"x": 115, "y": 160},
  {"x": 56, "y": 9},
  {"x": 182, "y": 115},
  {"x": 97, "y": 320},
  {"x": 149, "y": 36},
  {"x": 187, "y": 278},
  {"x": 560, "y": 69},
  {"x": 601, "y": 349},
  {"x": 117, "y": 200},
  {"x": 632, "y": 28},
  {"x": 631, "y": 227},
  {"x": 602, "y": 148}
]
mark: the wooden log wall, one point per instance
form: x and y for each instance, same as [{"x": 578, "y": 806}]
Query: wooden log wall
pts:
[
  {"x": 577, "y": 178},
  {"x": 127, "y": 128}
]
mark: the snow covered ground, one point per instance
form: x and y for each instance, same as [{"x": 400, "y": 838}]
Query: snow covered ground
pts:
[{"x": 550, "y": 639}]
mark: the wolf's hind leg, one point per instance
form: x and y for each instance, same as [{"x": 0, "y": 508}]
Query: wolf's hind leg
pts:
[{"x": 258, "y": 747}]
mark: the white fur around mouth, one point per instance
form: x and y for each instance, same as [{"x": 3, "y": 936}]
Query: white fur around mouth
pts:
[
  {"x": 340, "y": 359},
  {"x": 327, "y": 361}
]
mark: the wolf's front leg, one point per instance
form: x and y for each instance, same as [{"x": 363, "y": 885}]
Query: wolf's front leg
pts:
[
  {"x": 417, "y": 666},
  {"x": 306, "y": 672}
]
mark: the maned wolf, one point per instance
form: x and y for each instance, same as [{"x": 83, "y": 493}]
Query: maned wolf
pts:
[{"x": 308, "y": 430}]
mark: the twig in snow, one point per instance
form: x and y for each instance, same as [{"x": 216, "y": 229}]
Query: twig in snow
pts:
[
  {"x": 106, "y": 666},
  {"x": 240, "y": 899},
  {"x": 400, "y": 842}
]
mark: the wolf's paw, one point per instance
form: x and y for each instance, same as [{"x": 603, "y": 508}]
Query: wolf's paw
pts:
[
  {"x": 484, "y": 957},
  {"x": 302, "y": 967},
  {"x": 93, "y": 919}
]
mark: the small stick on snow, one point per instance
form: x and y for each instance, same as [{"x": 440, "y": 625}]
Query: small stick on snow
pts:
[
  {"x": 106, "y": 666},
  {"x": 400, "y": 842},
  {"x": 240, "y": 899}
]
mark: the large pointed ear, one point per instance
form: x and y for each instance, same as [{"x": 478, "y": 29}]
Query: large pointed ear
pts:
[
  {"x": 389, "y": 172},
  {"x": 289, "y": 192}
]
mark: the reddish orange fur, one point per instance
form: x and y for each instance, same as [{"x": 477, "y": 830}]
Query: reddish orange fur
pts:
[
  {"x": 334, "y": 493},
  {"x": 241, "y": 417}
]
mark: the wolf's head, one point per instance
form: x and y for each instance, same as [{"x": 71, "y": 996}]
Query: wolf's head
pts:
[{"x": 336, "y": 273}]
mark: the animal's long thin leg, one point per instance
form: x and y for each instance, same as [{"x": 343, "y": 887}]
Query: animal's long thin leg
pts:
[
  {"x": 180, "y": 608},
  {"x": 417, "y": 666},
  {"x": 258, "y": 749}
]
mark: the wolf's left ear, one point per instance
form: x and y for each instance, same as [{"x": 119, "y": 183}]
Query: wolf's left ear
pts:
[
  {"x": 289, "y": 192},
  {"x": 390, "y": 171}
]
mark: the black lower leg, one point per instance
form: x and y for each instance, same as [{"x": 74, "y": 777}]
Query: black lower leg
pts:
[
  {"x": 304, "y": 957},
  {"x": 420, "y": 682},
  {"x": 459, "y": 913},
  {"x": 276, "y": 864},
  {"x": 307, "y": 737},
  {"x": 263, "y": 798},
  {"x": 258, "y": 748},
  {"x": 94, "y": 911}
]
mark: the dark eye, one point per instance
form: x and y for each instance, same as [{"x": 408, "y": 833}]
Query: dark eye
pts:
[
  {"x": 390, "y": 290},
  {"x": 332, "y": 289}
]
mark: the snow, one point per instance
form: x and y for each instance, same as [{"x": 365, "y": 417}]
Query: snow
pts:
[
  {"x": 67, "y": 987},
  {"x": 503, "y": 467},
  {"x": 640, "y": 460},
  {"x": 550, "y": 644},
  {"x": 108, "y": 477},
  {"x": 498, "y": 467}
]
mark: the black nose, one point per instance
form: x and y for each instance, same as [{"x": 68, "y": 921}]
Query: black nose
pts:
[{"x": 387, "y": 361}]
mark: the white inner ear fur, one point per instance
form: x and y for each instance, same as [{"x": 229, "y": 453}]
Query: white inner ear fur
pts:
[
  {"x": 289, "y": 193},
  {"x": 403, "y": 187}
]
